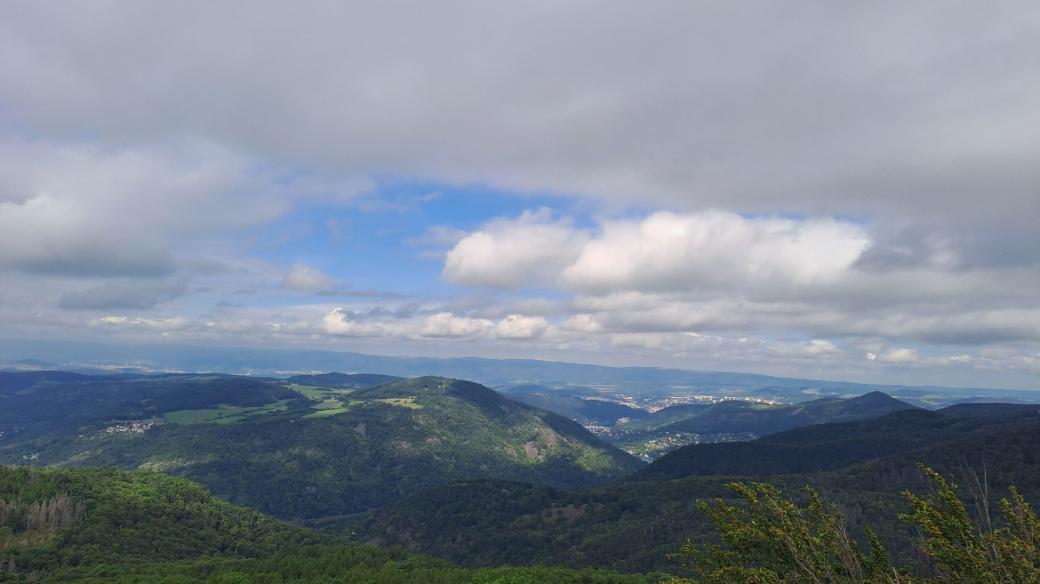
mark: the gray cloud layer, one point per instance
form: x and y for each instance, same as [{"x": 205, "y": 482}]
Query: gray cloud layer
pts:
[
  {"x": 875, "y": 166},
  {"x": 807, "y": 106}
]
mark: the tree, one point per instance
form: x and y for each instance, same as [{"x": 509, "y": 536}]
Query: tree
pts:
[
  {"x": 973, "y": 552},
  {"x": 769, "y": 539}
]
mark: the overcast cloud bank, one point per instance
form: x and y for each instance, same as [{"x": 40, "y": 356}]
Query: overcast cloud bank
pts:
[{"x": 818, "y": 187}]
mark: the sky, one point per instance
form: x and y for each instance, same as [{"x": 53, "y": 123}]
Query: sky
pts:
[{"x": 829, "y": 189}]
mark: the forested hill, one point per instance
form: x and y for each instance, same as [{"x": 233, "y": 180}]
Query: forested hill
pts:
[
  {"x": 299, "y": 451},
  {"x": 655, "y": 435},
  {"x": 736, "y": 416},
  {"x": 831, "y": 446},
  {"x": 93, "y": 526},
  {"x": 633, "y": 524}
]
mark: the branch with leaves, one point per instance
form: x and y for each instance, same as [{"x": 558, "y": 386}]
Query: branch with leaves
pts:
[{"x": 770, "y": 539}]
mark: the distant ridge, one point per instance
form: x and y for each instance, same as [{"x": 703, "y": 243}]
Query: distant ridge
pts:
[
  {"x": 811, "y": 448},
  {"x": 737, "y": 416},
  {"x": 583, "y": 410},
  {"x": 344, "y": 380},
  {"x": 491, "y": 372},
  {"x": 991, "y": 410}
]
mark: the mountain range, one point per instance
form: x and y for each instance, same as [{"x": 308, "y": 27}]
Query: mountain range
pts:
[
  {"x": 589, "y": 380},
  {"x": 441, "y": 467}
]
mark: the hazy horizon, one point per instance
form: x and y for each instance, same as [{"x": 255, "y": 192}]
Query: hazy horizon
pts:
[{"x": 247, "y": 359}]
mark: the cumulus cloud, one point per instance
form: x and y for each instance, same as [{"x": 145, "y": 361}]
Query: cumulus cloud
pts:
[
  {"x": 665, "y": 252},
  {"x": 464, "y": 334},
  {"x": 899, "y": 355},
  {"x": 683, "y": 252},
  {"x": 448, "y": 325},
  {"x": 529, "y": 250},
  {"x": 583, "y": 322},
  {"x": 440, "y": 325},
  {"x": 819, "y": 347},
  {"x": 518, "y": 326},
  {"x": 306, "y": 278},
  {"x": 640, "y": 279},
  {"x": 340, "y": 321}
]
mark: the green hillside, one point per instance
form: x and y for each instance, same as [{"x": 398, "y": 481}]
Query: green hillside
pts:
[
  {"x": 634, "y": 524},
  {"x": 62, "y": 525},
  {"x": 306, "y": 452}
]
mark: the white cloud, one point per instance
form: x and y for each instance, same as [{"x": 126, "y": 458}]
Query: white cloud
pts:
[
  {"x": 528, "y": 251},
  {"x": 719, "y": 271},
  {"x": 340, "y": 321},
  {"x": 653, "y": 341},
  {"x": 582, "y": 322},
  {"x": 900, "y": 355},
  {"x": 440, "y": 325},
  {"x": 688, "y": 252},
  {"x": 306, "y": 278},
  {"x": 665, "y": 252},
  {"x": 819, "y": 347},
  {"x": 448, "y": 325},
  {"x": 374, "y": 327},
  {"x": 518, "y": 326}
]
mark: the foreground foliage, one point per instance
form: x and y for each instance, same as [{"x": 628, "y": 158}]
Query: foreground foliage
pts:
[
  {"x": 964, "y": 551},
  {"x": 769, "y": 539}
]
